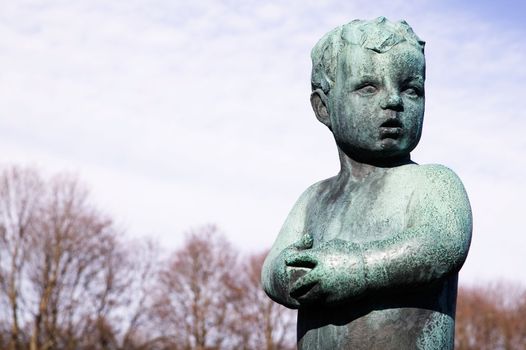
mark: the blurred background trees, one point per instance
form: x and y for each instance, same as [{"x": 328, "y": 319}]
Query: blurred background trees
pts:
[
  {"x": 65, "y": 271},
  {"x": 491, "y": 317},
  {"x": 208, "y": 297},
  {"x": 70, "y": 279}
]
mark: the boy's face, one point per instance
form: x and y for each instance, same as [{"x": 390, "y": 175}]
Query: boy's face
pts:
[{"x": 376, "y": 105}]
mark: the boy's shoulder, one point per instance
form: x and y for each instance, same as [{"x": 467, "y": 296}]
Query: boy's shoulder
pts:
[
  {"x": 313, "y": 190},
  {"x": 433, "y": 180},
  {"x": 312, "y": 194},
  {"x": 428, "y": 173}
]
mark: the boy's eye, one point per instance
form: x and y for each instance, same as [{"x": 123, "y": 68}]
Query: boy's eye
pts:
[
  {"x": 412, "y": 92},
  {"x": 366, "y": 90}
]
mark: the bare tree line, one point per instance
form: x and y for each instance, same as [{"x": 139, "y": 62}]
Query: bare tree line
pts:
[
  {"x": 70, "y": 279},
  {"x": 491, "y": 317}
]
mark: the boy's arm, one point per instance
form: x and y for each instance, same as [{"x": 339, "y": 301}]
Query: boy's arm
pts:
[
  {"x": 275, "y": 275},
  {"x": 434, "y": 246}
]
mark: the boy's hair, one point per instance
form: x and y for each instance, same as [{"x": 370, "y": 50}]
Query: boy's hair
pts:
[{"x": 378, "y": 35}]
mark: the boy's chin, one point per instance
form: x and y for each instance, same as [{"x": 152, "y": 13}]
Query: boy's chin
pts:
[
  {"x": 394, "y": 148},
  {"x": 390, "y": 144},
  {"x": 387, "y": 152}
]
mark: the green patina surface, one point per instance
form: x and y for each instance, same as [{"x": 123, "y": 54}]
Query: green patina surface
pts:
[{"x": 370, "y": 257}]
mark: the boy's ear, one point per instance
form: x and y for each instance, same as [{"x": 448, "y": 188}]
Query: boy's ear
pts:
[{"x": 319, "y": 101}]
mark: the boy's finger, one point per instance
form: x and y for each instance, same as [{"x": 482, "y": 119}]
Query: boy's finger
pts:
[
  {"x": 305, "y": 242},
  {"x": 301, "y": 260},
  {"x": 303, "y": 285}
]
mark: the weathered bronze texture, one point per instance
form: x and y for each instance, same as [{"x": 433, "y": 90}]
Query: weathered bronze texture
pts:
[{"x": 370, "y": 257}]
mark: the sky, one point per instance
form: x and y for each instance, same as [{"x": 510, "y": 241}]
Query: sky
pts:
[{"x": 178, "y": 114}]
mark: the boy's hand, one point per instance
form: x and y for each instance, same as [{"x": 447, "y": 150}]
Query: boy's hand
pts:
[
  {"x": 284, "y": 276},
  {"x": 335, "y": 276}
]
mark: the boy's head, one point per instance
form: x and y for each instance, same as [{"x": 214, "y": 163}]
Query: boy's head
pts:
[{"x": 368, "y": 87}]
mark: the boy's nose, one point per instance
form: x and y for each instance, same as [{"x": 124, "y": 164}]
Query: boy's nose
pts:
[{"x": 392, "y": 101}]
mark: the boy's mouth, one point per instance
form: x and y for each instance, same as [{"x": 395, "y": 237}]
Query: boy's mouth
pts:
[{"x": 391, "y": 129}]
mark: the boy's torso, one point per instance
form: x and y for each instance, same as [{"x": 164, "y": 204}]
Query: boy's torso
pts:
[{"x": 381, "y": 206}]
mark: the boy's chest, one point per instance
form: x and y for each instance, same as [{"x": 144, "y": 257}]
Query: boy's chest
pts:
[{"x": 366, "y": 214}]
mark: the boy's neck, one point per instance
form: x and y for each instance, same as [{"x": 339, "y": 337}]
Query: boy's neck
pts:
[{"x": 357, "y": 170}]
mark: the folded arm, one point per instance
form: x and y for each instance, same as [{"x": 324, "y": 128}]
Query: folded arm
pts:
[{"x": 433, "y": 246}]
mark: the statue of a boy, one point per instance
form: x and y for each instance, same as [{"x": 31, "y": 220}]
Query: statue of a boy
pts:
[{"x": 371, "y": 256}]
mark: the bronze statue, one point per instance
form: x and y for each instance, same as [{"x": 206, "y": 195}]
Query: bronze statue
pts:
[{"x": 370, "y": 257}]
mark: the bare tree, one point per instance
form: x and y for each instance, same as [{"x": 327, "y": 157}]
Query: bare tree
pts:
[
  {"x": 72, "y": 271},
  {"x": 118, "y": 316},
  {"x": 197, "y": 289},
  {"x": 262, "y": 323},
  {"x": 21, "y": 193},
  {"x": 491, "y": 317},
  {"x": 67, "y": 278},
  {"x": 136, "y": 327}
]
